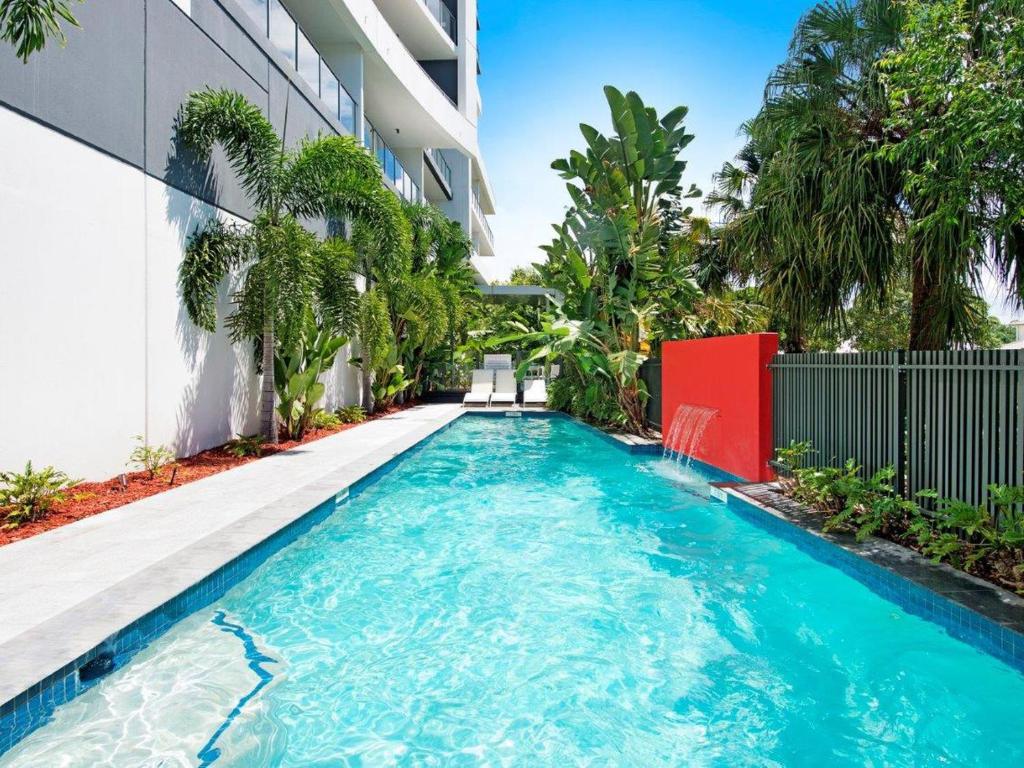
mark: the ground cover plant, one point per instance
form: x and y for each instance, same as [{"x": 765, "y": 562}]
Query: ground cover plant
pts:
[
  {"x": 29, "y": 495},
  {"x": 986, "y": 540}
]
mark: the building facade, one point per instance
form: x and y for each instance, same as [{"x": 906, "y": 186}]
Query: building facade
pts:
[{"x": 98, "y": 199}]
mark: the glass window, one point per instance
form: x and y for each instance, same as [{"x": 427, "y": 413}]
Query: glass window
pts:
[
  {"x": 329, "y": 88},
  {"x": 282, "y": 30},
  {"x": 347, "y": 112},
  {"x": 257, "y": 11},
  {"x": 392, "y": 166},
  {"x": 309, "y": 62},
  {"x": 367, "y": 134}
]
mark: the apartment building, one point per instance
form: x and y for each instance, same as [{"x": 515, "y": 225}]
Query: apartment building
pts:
[{"x": 98, "y": 198}]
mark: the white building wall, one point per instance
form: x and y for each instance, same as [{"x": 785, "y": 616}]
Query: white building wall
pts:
[{"x": 95, "y": 345}]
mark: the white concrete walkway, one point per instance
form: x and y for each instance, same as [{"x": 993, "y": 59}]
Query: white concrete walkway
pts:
[{"x": 64, "y": 592}]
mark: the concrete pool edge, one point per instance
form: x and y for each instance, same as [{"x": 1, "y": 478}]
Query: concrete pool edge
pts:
[
  {"x": 982, "y": 615},
  {"x": 42, "y": 664}
]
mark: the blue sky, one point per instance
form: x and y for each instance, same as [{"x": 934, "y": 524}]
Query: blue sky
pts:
[{"x": 545, "y": 63}]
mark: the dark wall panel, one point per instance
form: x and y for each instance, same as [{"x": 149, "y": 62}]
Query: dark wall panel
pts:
[
  {"x": 446, "y": 74},
  {"x": 181, "y": 59},
  {"x": 93, "y": 88},
  {"x": 230, "y": 36}
]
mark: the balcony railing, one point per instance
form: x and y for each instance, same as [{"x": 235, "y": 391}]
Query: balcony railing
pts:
[
  {"x": 274, "y": 21},
  {"x": 390, "y": 164},
  {"x": 483, "y": 217},
  {"x": 442, "y": 165},
  {"x": 444, "y": 17}
]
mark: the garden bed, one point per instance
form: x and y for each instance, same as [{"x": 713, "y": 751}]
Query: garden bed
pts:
[{"x": 88, "y": 499}]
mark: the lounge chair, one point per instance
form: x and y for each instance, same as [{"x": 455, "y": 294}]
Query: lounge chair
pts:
[
  {"x": 480, "y": 392},
  {"x": 535, "y": 392},
  {"x": 505, "y": 389}
]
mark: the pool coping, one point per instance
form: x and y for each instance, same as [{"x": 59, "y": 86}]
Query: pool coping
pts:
[{"x": 970, "y": 609}]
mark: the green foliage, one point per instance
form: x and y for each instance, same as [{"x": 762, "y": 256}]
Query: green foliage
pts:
[
  {"x": 389, "y": 379},
  {"x": 523, "y": 276},
  {"x": 621, "y": 259},
  {"x": 375, "y": 337},
  {"x": 29, "y": 495},
  {"x": 793, "y": 455},
  {"x": 289, "y": 272},
  {"x": 297, "y": 372},
  {"x": 416, "y": 314},
  {"x": 987, "y": 539},
  {"x": 150, "y": 458},
  {"x": 954, "y": 91},
  {"x": 326, "y": 420},
  {"x": 885, "y": 158},
  {"x": 245, "y": 445},
  {"x": 26, "y": 24},
  {"x": 351, "y": 414}
]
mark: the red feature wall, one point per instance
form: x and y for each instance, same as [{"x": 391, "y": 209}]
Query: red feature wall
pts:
[{"x": 729, "y": 374}]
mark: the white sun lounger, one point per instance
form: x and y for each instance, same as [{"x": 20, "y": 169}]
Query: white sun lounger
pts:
[
  {"x": 480, "y": 392},
  {"x": 535, "y": 392},
  {"x": 505, "y": 388}
]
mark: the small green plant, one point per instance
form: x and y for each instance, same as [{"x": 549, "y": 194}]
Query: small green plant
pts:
[
  {"x": 245, "y": 445},
  {"x": 326, "y": 420},
  {"x": 150, "y": 458},
  {"x": 793, "y": 455},
  {"x": 351, "y": 414},
  {"x": 28, "y": 495}
]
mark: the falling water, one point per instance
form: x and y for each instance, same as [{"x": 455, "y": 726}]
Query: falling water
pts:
[{"x": 686, "y": 431}]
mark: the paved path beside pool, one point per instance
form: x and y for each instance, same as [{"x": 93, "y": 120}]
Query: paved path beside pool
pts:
[{"x": 64, "y": 592}]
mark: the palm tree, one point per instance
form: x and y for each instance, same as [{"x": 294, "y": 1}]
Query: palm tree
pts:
[
  {"x": 288, "y": 270},
  {"x": 840, "y": 191},
  {"x": 810, "y": 205},
  {"x": 429, "y": 303}
]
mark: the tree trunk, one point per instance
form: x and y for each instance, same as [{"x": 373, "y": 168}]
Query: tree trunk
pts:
[
  {"x": 367, "y": 386},
  {"x": 926, "y": 331},
  {"x": 268, "y": 418}
]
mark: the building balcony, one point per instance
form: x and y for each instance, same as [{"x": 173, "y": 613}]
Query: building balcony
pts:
[
  {"x": 427, "y": 27},
  {"x": 440, "y": 172},
  {"x": 482, "y": 234},
  {"x": 407, "y": 104}
]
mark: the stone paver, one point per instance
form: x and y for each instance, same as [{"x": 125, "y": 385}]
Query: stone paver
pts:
[{"x": 64, "y": 592}]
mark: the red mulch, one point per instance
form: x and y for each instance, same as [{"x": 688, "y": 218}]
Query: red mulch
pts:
[{"x": 88, "y": 499}]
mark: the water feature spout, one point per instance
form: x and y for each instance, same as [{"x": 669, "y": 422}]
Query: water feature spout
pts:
[{"x": 685, "y": 433}]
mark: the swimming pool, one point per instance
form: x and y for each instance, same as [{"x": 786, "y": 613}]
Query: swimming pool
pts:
[{"x": 520, "y": 592}]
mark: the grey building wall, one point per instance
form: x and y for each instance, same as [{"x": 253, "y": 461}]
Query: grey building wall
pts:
[{"x": 119, "y": 84}]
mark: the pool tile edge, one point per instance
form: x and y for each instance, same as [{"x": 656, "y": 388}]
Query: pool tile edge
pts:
[{"x": 984, "y": 616}]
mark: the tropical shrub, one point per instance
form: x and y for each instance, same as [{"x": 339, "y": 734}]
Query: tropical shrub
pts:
[
  {"x": 288, "y": 272},
  {"x": 621, "y": 261},
  {"x": 297, "y": 375},
  {"x": 150, "y": 458},
  {"x": 351, "y": 414},
  {"x": 326, "y": 420},
  {"x": 245, "y": 445},
  {"x": 29, "y": 495},
  {"x": 985, "y": 539}
]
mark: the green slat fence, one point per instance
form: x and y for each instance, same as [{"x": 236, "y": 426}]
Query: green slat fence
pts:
[{"x": 952, "y": 421}]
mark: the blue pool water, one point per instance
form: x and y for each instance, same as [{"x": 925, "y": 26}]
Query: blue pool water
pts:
[{"x": 521, "y": 593}]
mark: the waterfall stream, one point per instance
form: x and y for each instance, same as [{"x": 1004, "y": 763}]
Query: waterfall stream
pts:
[{"x": 685, "y": 433}]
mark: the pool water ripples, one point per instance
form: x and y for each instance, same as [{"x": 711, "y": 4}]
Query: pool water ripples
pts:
[{"x": 521, "y": 593}]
